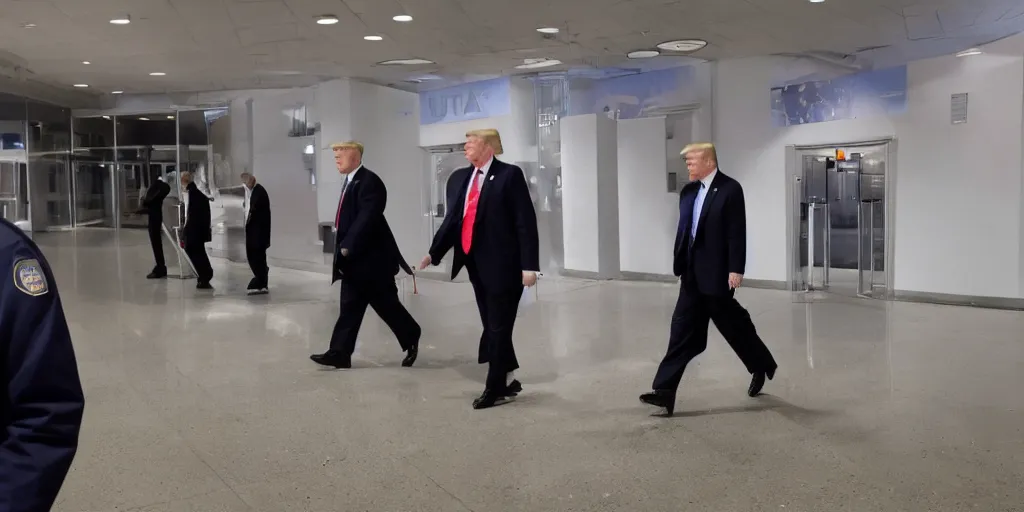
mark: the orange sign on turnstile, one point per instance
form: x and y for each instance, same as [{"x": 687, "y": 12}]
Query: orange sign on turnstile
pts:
[{"x": 840, "y": 154}]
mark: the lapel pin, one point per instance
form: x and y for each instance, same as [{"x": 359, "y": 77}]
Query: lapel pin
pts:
[{"x": 491, "y": 178}]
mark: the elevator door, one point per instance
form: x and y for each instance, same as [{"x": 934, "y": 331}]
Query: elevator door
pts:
[{"x": 839, "y": 216}]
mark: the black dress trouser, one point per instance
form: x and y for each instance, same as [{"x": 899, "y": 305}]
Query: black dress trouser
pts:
[
  {"x": 155, "y": 229},
  {"x": 256, "y": 255},
  {"x": 688, "y": 336},
  {"x": 498, "y": 311},
  {"x": 382, "y": 295},
  {"x": 196, "y": 252}
]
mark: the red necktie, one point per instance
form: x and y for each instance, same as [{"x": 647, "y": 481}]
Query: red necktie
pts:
[
  {"x": 337, "y": 217},
  {"x": 467, "y": 222}
]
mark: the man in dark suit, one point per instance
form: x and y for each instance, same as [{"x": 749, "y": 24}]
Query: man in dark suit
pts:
[
  {"x": 257, "y": 233},
  {"x": 710, "y": 256},
  {"x": 197, "y": 231},
  {"x": 153, "y": 205},
  {"x": 492, "y": 226},
  {"x": 366, "y": 260}
]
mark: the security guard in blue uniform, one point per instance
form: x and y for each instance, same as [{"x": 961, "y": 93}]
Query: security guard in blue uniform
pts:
[{"x": 42, "y": 401}]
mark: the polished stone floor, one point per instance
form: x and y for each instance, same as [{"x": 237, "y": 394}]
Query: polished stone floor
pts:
[{"x": 206, "y": 402}]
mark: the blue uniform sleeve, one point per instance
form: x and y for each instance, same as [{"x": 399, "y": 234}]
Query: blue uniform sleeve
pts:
[{"x": 43, "y": 402}]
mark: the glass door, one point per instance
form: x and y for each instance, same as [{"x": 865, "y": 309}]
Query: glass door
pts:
[
  {"x": 444, "y": 160},
  {"x": 94, "y": 194}
]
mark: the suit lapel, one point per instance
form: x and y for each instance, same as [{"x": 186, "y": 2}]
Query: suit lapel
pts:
[
  {"x": 496, "y": 168},
  {"x": 689, "y": 196}
]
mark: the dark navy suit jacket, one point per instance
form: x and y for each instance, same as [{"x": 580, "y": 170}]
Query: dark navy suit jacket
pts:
[{"x": 719, "y": 247}]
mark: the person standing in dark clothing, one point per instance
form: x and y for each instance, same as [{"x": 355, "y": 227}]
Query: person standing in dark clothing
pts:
[
  {"x": 197, "y": 231},
  {"x": 257, "y": 233},
  {"x": 710, "y": 258},
  {"x": 153, "y": 205},
  {"x": 42, "y": 400},
  {"x": 366, "y": 260}
]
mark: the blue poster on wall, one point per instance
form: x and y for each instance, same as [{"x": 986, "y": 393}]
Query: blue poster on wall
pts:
[
  {"x": 476, "y": 100},
  {"x": 630, "y": 96},
  {"x": 878, "y": 92}
]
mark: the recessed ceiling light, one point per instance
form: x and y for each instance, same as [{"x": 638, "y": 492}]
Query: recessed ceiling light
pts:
[
  {"x": 143, "y": 119},
  {"x": 548, "y": 30},
  {"x": 817, "y": 1},
  {"x": 157, "y": 73},
  {"x": 121, "y": 20},
  {"x": 28, "y": 25},
  {"x": 326, "y": 19},
  {"x": 170, "y": 117},
  {"x": 683, "y": 45},
  {"x": 643, "y": 54},
  {"x": 86, "y": 62},
  {"x": 538, "y": 63},
  {"x": 405, "y": 62},
  {"x": 116, "y": 92},
  {"x": 82, "y": 85},
  {"x": 373, "y": 38},
  {"x": 968, "y": 53},
  {"x": 404, "y": 18}
]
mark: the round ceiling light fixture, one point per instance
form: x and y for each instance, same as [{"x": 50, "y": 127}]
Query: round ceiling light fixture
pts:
[
  {"x": 143, "y": 119},
  {"x": 81, "y": 86},
  {"x": 538, "y": 63},
  {"x": 86, "y": 62},
  {"x": 817, "y": 1},
  {"x": 170, "y": 117},
  {"x": 683, "y": 45},
  {"x": 402, "y": 18},
  {"x": 548, "y": 30},
  {"x": 643, "y": 54},
  {"x": 121, "y": 20},
  {"x": 326, "y": 19},
  {"x": 373, "y": 38},
  {"x": 405, "y": 62},
  {"x": 28, "y": 25},
  {"x": 157, "y": 73},
  {"x": 116, "y": 92}
]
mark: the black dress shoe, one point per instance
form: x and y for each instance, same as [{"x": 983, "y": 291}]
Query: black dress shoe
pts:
[
  {"x": 661, "y": 398},
  {"x": 757, "y": 382},
  {"x": 514, "y": 388},
  {"x": 157, "y": 274},
  {"x": 489, "y": 398},
  {"x": 203, "y": 286},
  {"x": 411, "y": 354},
  {"x": 329, "y": 359}
]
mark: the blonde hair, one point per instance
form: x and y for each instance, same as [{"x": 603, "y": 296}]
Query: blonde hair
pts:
[
  {"x": 348, "y": 145},
  {"x": 707, "y": 149},
  {"x": 490, "y": 136}
]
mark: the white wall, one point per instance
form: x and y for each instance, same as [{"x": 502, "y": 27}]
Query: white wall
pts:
[
  {"x": 386, "y": 121},
  {"x": 648, "y": 212},
  {"x": 958, "y": 191},
  {"x": 518, "y": 129}
]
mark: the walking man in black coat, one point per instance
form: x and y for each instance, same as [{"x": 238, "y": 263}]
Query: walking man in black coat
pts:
[
  {"x": 153, "y": 206},
  {"x": 196, "y": 231}
]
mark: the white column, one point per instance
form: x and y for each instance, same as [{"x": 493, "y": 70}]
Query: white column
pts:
[{"x": 590, "y": 197}]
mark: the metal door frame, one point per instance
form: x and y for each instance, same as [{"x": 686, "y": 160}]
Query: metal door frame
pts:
[{"x": 793, "y": 170}]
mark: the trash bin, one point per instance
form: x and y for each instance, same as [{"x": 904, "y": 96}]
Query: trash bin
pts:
[{"x": 327, "y": 236}]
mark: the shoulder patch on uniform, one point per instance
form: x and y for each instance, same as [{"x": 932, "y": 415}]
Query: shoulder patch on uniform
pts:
[{"x": 29, "y": 277}]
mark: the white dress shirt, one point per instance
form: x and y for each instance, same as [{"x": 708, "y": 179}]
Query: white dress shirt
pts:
[{"x": 248, "y": 202}]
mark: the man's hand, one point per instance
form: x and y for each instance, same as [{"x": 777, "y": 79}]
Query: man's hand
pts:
[
  {"x": 529, "y": 278},
  {"x": 427, "y": 260},
  {"x": 344, "y": 253},
  {"x": 735, "y": 280}
]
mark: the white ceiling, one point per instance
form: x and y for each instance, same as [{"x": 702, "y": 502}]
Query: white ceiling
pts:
[{"x": 241, "y": 44}]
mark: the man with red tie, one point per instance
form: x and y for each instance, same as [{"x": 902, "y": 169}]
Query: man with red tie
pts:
[
  {"x": 366, "y": 259},
  {"x": 492, "y": 226}
]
